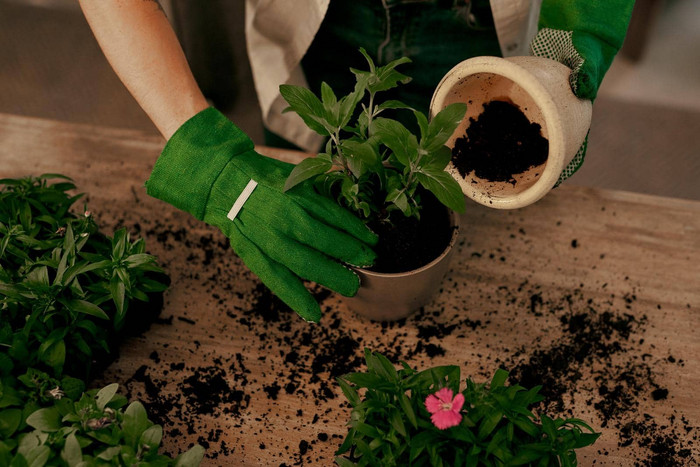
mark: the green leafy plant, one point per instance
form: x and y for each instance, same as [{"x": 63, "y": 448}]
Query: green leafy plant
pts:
[
  {"x": 51, "y": 422},
  {"x": 390, "y": 423},
  {"x": 374, "y": 165},
  {"x": 61, "y": 280},
  {"x": 66, "y": 292}
]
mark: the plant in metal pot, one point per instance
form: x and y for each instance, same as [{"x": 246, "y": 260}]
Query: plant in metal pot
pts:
[
  {"x": 391, "y": 177},
  {"x": 433, "y": 417}
]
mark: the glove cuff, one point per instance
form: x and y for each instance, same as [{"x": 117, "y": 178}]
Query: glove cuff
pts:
[{"x": 193, "y": 158}]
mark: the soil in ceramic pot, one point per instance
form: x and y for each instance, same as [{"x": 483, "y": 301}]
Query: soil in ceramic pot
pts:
[
  {"x": 499, "y": 144},
  {"x": 407, "y": 243}
]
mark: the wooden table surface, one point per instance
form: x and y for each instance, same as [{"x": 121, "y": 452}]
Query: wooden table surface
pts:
[{"x": 229, "y": 368}]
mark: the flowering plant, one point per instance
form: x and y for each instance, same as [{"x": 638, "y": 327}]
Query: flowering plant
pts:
[{"x": 409, "y": 417}]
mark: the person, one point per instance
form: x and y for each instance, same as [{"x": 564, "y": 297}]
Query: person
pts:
[{"x": 210, "y": 168}]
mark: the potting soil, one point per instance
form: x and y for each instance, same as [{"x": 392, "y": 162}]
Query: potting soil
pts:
[{"x": 500, "y": 143}]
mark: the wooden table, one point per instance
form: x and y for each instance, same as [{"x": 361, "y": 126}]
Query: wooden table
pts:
[{"x": 227, "y": 367}]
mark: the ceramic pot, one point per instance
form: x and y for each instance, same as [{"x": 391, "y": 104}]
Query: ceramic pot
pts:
[
  {"x": 388, "y": 297},
  {"x": 540, "y": 87}
]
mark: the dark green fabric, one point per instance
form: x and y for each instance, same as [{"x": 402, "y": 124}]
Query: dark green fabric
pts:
[
  {"x": 598, "y": 30},
  {"x": 434, "y": 35},
  {"x": 281, "y": 236}
]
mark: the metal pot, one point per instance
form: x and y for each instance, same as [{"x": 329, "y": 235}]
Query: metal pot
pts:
[{"x": 392, "y": 296}]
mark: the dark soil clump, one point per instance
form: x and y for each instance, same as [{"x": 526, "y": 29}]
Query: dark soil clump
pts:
[
  {"x": 407, "y": 243},
  {"x": 500, "y": 143}
]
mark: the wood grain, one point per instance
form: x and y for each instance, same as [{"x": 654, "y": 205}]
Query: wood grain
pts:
[{"x": 579, "y": 250}]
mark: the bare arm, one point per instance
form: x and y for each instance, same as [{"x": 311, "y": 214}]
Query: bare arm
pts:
[{"x": 143, "y": 50}]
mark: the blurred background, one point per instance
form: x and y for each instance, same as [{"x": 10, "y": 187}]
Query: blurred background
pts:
[{"x": 645, "y": 135}]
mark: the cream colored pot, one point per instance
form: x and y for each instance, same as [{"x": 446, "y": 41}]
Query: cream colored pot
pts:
[
  {"x": 388, "y": 297},
  {"x": 540, "y": 87}
]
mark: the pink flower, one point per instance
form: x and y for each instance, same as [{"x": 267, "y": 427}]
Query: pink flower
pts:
[{"x": 444, "y": 408}]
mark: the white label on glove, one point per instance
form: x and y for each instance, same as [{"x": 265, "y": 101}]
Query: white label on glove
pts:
[{"x": 242, "y": 198}]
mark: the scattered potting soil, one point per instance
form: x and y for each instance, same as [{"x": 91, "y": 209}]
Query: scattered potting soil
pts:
[
  {"x": 407, "y": 243},
  {"x": 593, "y": 347},
  {"x": 500, "y": 143},
  {"x": 591, "y": 353}
]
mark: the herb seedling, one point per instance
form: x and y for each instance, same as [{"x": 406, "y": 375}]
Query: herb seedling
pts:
[{"x": 371, "y": 164}]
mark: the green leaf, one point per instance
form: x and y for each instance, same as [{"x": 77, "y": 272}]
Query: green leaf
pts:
[
  {"x": 119, "y": 244},
  {"x": 489, "y": 422},
  {"x": 396, "y": 422},
  {"x": 152, "y": 437},
  {"x": 386, "y": 77},
  {"x": 150, "y": 285},
  {"x": 110, "y": 453},
  {"x": 191, "y": 458},
  {"x": 9, "y": 421},
  {"x": 53, "y": 353},
  {"x": 71, "y": 453},
  {"x": 499, "y": 378},
  {"x": 443, "y": 125},
  {"x": 47, "y": 420},
  {"x": 365, "y": 380},
  {"x": 6, "y": 366},
  {"x": 437, "y": 160},
  {"x": 408, "y": 409},
  {"x": 394, "y": 104},
  {"x": 83, "y": 306},
  {"x": 423, "y": 125},
  {"x": 72, "y": 387},
  {"x": 444, "y": 187},
  {"x": 349, "y": 392},
  {"x": 38, "y": 276},
  {"x": 330, "y": 105},
  {"x": 117, "y": 291},
  {"x": 38, "y": 457},
  {"x": 364, "y": 151},
  {"x": 139, "y": 259},
  {"x": 309, "y": 167},
  {"x": 349, "y": 103},
  {"x": 134, "y": 423},
  {"x": 397, "y": 138},
  {"x": 105, "y": 395},
  {"x": 48, "y": 176},
  {"x": 347, "y": 442},
  {"x": 308, "y": 107},
  {"x": 343, "y": 462}
]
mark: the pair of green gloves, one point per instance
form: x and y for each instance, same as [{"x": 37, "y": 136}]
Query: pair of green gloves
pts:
[{"x": 210, "y": 169}]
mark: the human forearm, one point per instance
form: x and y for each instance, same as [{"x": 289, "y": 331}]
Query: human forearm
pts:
[{"x": 143, "y": 50}]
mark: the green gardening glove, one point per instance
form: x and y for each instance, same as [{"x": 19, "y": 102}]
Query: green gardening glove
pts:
[
  {"x": 209, "y": 167},
  {"x": 584, "y": 35}
]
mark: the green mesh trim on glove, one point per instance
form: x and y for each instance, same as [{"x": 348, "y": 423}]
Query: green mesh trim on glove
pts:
[
  {"x": 575, "y": 163},
  {"x": 584, "y": 35},
  {"x": 281, "y": 236}
]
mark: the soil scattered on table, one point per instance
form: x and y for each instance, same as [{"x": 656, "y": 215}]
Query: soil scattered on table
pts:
[
  {"x": 500, "y": 143},
  {"x": 592, "y": 347}
]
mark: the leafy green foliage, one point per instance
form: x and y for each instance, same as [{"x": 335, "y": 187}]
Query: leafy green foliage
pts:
[
  {"x": 65, "y": 287},
  {"x": 376, "y": 165},
  {"x": 44, "y": 421},
  {"x": 65, "y": 291},
  {"x": 390, "y": 425}
]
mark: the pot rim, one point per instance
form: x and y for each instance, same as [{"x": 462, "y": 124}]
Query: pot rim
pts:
[{"x": 455, "y": 218}]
